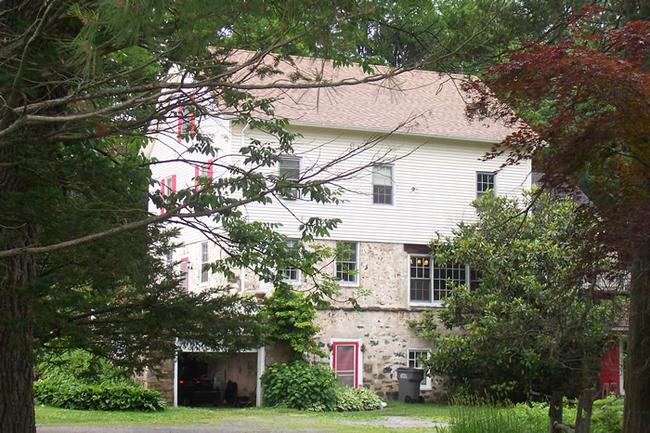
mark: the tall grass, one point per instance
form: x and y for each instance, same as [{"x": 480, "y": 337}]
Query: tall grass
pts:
[{"x": 494, "y": 419}]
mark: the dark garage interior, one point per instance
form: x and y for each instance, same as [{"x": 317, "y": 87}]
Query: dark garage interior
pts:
[{"x": 211, "y": 379}]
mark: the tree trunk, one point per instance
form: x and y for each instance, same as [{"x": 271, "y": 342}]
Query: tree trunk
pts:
[
  {"x": 555, "y": 411},
  {"x": 637, "y": 373},
  {"x": 16, "y": 335}
]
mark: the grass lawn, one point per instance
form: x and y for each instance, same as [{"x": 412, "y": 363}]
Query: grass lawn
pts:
[{"x": 271, "y": 418}]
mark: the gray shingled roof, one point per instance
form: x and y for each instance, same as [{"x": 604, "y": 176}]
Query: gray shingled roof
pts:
[{"x": 416, "y": 102}]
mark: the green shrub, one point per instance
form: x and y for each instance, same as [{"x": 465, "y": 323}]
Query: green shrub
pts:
[
  {"x": 356, "y": 399},
  {"x": 80, "y": 366},
  {"x": 299, "y": 385},
  {"x": 106, "y": 396},
  {"x": 608, "y": 415}
]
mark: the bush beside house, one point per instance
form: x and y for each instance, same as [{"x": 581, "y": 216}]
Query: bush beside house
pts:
[{"x": 299, "y": 385}]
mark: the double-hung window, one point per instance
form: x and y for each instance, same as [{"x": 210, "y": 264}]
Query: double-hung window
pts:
[
  {"x": 186, "y": 121},
  {"x": 205, "y": 271},
  {"x": 420, "y": 278},
  {"x": 417, "y": 359},
  {"x": 431, "y": 282},
  {"x": 347, "y": 262},
  {"x": 484, "y": 183},
  {"x": 444, "y": 275},
  {"x": 289, "y": 171},
  {"x": 382, "y": 184},
  {"x": 291, "y": 273}
]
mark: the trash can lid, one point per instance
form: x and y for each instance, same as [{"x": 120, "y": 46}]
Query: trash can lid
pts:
[{"x": 409, "y": 370}]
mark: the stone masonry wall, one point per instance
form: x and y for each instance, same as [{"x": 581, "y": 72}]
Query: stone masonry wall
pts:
[
  {"x": 385, "y": 337},
  {"x": 160, "y": 379}
]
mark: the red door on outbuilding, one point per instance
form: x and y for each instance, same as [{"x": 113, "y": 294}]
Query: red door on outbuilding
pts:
[{"x": 610, "y": 371}]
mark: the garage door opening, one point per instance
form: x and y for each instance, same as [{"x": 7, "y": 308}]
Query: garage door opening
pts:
[{"x": 211, "y": 379}]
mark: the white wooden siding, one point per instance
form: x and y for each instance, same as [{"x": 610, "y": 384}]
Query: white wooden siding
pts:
[{"x": 433, "y": 186}]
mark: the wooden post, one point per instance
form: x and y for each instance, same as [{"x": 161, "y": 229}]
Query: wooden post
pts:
[{"x": 583, "y": 414}]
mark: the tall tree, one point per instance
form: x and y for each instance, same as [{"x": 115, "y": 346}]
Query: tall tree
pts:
[
  {"x": 586, "y": 100},
  {"x": 84, "y": 85},
  {"x": 536, "y": 315}
]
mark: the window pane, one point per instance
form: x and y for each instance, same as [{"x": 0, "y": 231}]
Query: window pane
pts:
[
  {"x": 205, "y": 273},
  {"x": 345, "y": 363},
  {"x": 443, "y": 274},
  {"x": 484, "y": 182},
  {"x": 290, "y": 272},
  {"x": 290, "y": 168},
  {"x": 346, "y": 262},
  {"x": 382, "y": 184},
  {"x": 382, "y": 175},
  {"x": 416, "y": 360},
  {"x": 420, "y": 278}
]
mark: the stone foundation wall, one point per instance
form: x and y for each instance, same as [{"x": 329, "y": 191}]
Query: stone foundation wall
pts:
[
  {"x": 160, "y": 379},
  {"x": 385, "y": 338}
]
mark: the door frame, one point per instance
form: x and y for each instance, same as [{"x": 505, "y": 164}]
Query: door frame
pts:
[{"x": 358, "y": 353}]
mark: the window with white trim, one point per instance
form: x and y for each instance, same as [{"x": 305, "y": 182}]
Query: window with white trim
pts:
[
  {"x": 347, "y": 262},
  {"x": 443, "y": 275},
  {"x": 420, "y": 278},
  {"x": 382, "y": 184},
  {"x": 291, "y": 273},
  {"x": 289, "y": 172},
  {"x": 205, "y": 271},
  {"x": 431, "y": 282},
  {"x": 203, "y": 170},
  {"x": 484, "y": 183},
  {"x": 168, "y": 185},
  {"x": 417, "y": 359}
]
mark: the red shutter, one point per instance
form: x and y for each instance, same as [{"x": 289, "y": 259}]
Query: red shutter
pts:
[
  {"x": 210, "y": 169},
  {"x": 196, "y": 177},
  {"x": 185, "y": 273},
  {"x": 173, "y": 185}
]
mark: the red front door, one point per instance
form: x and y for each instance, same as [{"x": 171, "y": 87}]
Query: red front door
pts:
[{"x": 345, "y": 362}]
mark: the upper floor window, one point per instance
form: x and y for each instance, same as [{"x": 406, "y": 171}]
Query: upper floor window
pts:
[
  {"x": 168, "y": 185},
  {"x": 347, "y": 262},
  {"x": 291, "y": 273},
  {"x": 186, "y": 121},
  {"x": 202, "y": 170},
  {"x": 289, "y": 171},
  {"x": 417, "y": 359},
  {"x": 382, "y": 184},
  {"x": 205, "y": 271},
  {"x": 484, "y": 183}
]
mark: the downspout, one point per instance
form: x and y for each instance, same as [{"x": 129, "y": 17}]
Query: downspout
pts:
[{"x": 242, "y": 284}]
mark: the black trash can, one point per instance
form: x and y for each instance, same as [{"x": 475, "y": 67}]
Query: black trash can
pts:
[{"x": 409, "y": 384}]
